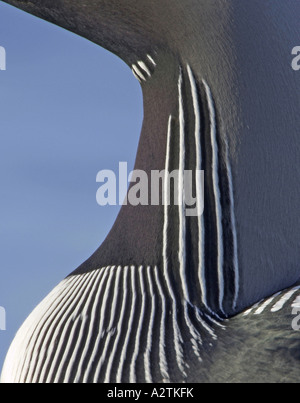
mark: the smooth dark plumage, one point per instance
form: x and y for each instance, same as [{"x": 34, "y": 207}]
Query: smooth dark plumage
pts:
[{"x": 218, "y": 91}]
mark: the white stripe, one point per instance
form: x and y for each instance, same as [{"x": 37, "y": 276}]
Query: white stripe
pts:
[
  {"x": 166, "y": 199},
  {"x": 129, "y": 327},
  {"x": 199, "y": 195},
  {"x": 216, "y": 320},
  {"x": 268, "y": 302},
  {"x": 119, "y": 329},
  {"x": 108, "y": 271},
  {"x": 248, "y": 311},
  {"x": 215, "y": 166},
  {"x": 205, "y": 325},
  {"x": 147, "y": 354},
  {"x": 18, "y": 357},
  {"x": 46, "y": 335},
  {"x": 68, "y": 347},
  {"x": 177, "y": 334},
  {"x": 151, "y": 60},
  {"x": 285, "y": 298},
  {"x": 110, "y": 333},
  {"x": 181, "y": 192},
  {"x": 163, "y": 365},
  {"x": 73, "y": 311},
  {"x": 72, "y": 362},
  {"x": 24, "y": 341},
  {"x": 73, "y": 322},
  {"x": 182, "y": 222},
  {"x": 196, "y": 338},
  {"x": 137, "y": 71},
  {"x": 139, "y": 329},
  {"x": 136, "y": 76},
  {"x": 80, "y": 336},
  {"x": 145, "y": 68},
  {"x": 52, "y": 307},
  {"x": 234, "y": 234},
  {"x": 43, "y": 346}
]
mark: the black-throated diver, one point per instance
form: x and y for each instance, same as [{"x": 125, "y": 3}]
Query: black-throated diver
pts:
[{"x": 152, "y": 304}]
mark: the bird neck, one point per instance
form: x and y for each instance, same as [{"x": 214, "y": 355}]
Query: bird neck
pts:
[
  {"x": 184, "y": 222},
  {"x": 206, "y": 83}
]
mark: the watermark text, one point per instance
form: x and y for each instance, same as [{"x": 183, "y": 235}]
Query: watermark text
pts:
[
  {"x": 296, "y": 59},
  {"x": 296, "y": 313},
  {"x": 2, "y": 319},
  {"x": 156, "y": 188},
  {"x": 2, "y": 58}
]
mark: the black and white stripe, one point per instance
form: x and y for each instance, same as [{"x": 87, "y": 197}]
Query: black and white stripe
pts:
[
  {"x": 143, "y": 69},
  {"x": 201, "y": 147},
  {"x": 102, "y": 327},
  {"x": 116, "y": 324},
  {"x": 199, "y": 195},
  {"x": 276, "y": 302},
  {"x": 151, "y": 323}
]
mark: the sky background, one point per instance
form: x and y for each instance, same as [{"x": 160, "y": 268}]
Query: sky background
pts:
[{"x": 68, "y": 109}]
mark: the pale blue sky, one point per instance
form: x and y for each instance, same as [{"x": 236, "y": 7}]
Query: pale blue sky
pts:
[{"x": 68, "y": 109}]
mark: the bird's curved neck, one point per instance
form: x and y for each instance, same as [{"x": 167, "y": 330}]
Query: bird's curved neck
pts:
[
  {"x": 187, "y": 226},
  {"x": 204, "y": 78}
]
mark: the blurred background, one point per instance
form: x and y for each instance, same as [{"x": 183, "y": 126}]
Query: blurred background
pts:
[{"x": 68, "y": 109}]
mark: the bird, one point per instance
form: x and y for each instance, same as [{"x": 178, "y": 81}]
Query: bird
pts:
[{"x": 170, "y": 296}]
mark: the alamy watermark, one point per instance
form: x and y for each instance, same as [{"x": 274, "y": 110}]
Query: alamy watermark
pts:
[
  {"x": 2, "y": 319},
  {"x": 2, "y": 58},
  {"x": 296, "y": 59},
  {"x": 157, "y": 188}
]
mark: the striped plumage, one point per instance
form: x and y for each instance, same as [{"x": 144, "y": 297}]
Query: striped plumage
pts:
[
  {"x": 203, "y": 151},
  {"x": 121, "y": 324},
  {"x": 171, "y": 297}
]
